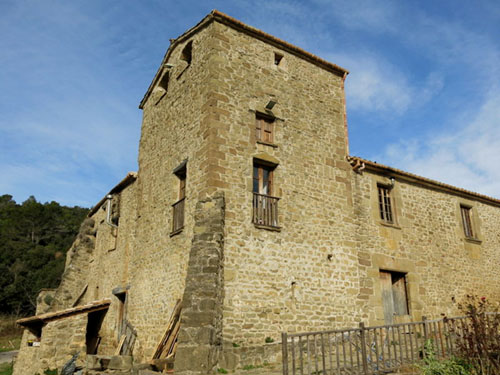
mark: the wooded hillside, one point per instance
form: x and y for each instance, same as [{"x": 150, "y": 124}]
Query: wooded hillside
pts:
[{"x": 34, "y": 238}]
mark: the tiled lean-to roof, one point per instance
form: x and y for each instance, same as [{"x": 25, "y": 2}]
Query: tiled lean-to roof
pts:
[{"x": 47, "y": 317}]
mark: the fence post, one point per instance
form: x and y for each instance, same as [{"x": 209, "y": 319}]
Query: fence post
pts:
[
  {"x": 424, "y": 319},
  {"x": 284, "y": 349},
  {"x": 363, "y": 348}
]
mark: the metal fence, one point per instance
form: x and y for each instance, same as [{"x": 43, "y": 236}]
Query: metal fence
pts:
[{"x": 367, "y": 350}]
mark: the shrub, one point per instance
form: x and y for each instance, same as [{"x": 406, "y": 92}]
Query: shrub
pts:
[
  {"x": 478, "y": 338},
  {"x": 433, "y": 366}
]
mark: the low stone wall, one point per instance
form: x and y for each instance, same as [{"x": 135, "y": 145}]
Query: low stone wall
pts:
[
  {"x": 60, "y": 340},
  {"x": 251, "y": 357}
]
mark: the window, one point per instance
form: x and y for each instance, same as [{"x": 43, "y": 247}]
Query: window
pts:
[
  {"x": 277, "y": 58},
  {"x": 264, "y": 128},
  {"x": 164, "y": 82},
  {"x": 262, "y": 179},
  {"x": 178, "y": 207},
  {"x": 467, "y": 221},
  {"x": 394, "y": 295},
  {"x": 265, "y": 206},
  {"x": 384, "y": 204},
  {"x": 187, "y": 52}
]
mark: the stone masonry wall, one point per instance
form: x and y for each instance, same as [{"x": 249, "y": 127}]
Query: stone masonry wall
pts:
[
  {"x": 60, "y": 340},
  {"x": 427, "y": 243},
  {"x": 241, "y": 284},
  {"x": 177, "y": 125},
  {"x": 200, "y": 335},
  {"x": 109, "y": 266},
  {"x": 283, "y": 280}
]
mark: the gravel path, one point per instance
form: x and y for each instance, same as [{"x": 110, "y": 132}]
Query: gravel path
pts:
[{"x": 6, "y": 357}]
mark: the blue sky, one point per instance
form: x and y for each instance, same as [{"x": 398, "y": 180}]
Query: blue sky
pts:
[{"x": 423, "y": 93}]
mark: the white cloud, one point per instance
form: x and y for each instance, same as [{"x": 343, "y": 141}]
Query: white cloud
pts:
[
  {"x": 375, "y": 16},
  {"x": 467, "y": 158},
  {"x": 376, "y": 85}
]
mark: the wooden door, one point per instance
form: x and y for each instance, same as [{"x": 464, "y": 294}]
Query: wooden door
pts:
[{"x": 387, "y": 297}]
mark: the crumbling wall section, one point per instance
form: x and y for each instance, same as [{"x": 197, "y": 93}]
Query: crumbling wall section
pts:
[
  {"x": 200, "y": 335},
  {"x": 76, "y": 272}
]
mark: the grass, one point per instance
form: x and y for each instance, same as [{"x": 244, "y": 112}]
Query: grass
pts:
[
  {"x": 10, "y": 334},
  {"x": 6, "y": 369},
  {"x": 253, "y": 367}
]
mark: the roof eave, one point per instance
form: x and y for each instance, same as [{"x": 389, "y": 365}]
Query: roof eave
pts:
[
  {"x": 384, "y": 169},
  {"x": 47, "y": 317},
  {"x": 129, "y": 179},
  {"x": 240, "y": 26}
]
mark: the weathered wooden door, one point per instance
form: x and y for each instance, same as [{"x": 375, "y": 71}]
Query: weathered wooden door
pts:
[
  {"x": 394, "y": 296},
  {"x": 387, "y": 299}
]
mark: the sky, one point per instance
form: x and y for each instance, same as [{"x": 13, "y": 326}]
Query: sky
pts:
[{"x": 423, "y": 93}]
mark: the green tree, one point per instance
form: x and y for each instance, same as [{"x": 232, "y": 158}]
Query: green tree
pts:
[{"x": 34, "y": 238}]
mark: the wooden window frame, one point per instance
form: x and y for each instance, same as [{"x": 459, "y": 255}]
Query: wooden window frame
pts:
[
  {"x": 264, "y": 204},
  {"x": 259, "y": 178},
  {"x": 264, "y": 128},
  {"x": 386, "y": 204},
  {"x": 467, "y": 221}
]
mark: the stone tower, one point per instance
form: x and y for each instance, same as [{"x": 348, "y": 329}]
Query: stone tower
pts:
[{"x": 248, "y": 209}]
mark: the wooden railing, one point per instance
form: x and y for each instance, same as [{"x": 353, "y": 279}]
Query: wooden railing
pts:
[
  {"x": 368, "y": 350},
  {"x": 178, "y": 218},
  {"x": 265, "y": 210}
]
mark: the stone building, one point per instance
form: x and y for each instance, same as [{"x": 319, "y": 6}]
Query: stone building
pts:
[{"x": 249, "y": 209}]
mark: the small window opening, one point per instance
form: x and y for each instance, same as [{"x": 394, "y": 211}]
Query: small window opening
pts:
[
  {"x": 385, "y": 204},
  {"x": 394, "y": 294},
  {"x": 178, "y": 207},
  {"x": 182, "y": 183},
  {"x": 467, "y": 221},
  {"x": 277, "y": 58},
  {"x": 264, "y": 128},
  {"x": 115, "y": 210},
  {"x": 36, "y": 331},
  {"x": 164, "y": 82},
  {"x": 187, "y": 52}
]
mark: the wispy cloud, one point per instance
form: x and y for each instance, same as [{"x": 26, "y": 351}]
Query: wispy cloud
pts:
[
  {"x": 377, "y": 85},
  {"x": 468, "y": 157}
]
